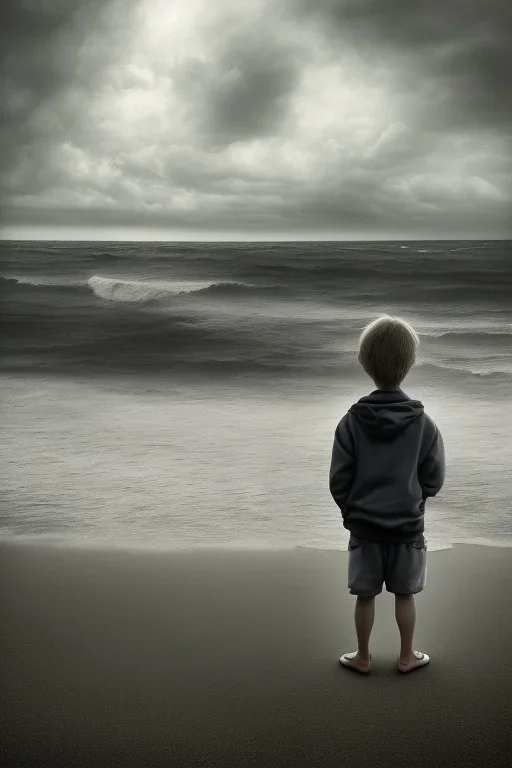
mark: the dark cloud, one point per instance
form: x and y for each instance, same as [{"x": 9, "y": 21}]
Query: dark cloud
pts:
[
  {"x": 422, "y": 24},
  {"x": 245, "y": 92},
  {"x": 254, "y": 101},
  {"x": 463, "y": 47},
  {"x": 44, "y": 50}
]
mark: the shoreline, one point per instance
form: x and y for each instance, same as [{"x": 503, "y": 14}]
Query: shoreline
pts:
[{"x": 103, "y": 545}]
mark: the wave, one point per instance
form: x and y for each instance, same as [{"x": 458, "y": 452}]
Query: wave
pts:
[
  {"x": 471, "y": 332},
  {"x": 142, "y": 291},
  {"x": 501, "y": 368},
  {"x": 350, "y": 315},
  {"x": 139, "y": 291}
]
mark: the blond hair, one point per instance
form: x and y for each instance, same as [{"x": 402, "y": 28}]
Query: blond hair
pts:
[{"x": 387, "y": 350}]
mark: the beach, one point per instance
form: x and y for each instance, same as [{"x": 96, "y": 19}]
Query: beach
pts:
[{"x": 231, "y": 658}]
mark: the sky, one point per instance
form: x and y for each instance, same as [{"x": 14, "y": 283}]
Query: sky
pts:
[{"x": 254, "y": 120}]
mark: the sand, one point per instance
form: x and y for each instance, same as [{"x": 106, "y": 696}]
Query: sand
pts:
[{"x": 113, "y": 658}]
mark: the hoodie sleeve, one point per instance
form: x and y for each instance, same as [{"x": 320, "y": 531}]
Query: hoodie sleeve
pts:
[
  {"x": 342, "y": 465},
  {"x": 431, "y": 470}
]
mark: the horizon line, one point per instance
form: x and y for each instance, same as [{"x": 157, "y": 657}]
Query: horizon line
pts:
[{"x": 266, "y": 240}]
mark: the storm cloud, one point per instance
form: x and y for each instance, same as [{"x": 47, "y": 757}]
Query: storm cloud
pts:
[{"x": 358, "y": 118}]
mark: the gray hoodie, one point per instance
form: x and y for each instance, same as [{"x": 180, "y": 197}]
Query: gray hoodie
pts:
[{"x": 387, "y": 459}]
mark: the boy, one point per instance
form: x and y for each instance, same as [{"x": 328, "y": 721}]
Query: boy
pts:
[{"x": 387, "y": 459}]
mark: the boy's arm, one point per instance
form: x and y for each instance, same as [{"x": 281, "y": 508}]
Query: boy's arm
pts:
[
  {"x": 431, "y": 470},
  {"x": 342, "y": 465}
]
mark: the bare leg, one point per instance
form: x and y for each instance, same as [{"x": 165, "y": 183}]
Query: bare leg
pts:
[
  {"x": 364, "y": 616},
  {"x": 405, "y": 614}
]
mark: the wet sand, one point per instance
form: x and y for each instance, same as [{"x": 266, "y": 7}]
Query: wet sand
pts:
[{"x": 113, "y": 658}]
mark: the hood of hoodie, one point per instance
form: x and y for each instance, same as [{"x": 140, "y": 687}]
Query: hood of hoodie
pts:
[{"x": 383, "y": 415}]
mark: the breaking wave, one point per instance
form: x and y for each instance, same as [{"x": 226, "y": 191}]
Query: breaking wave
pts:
[{"x": 140, "y": 291}]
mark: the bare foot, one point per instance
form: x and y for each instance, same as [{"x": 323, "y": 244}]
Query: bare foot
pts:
[
  {"x": 354, "y": 661},
  {"x": 418, "y": 659}
]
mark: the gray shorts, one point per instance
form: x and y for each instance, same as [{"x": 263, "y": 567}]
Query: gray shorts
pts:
[{"x": 403, "y": 567}]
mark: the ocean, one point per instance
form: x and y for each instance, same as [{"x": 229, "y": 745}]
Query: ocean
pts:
[{"x": 185, "y": 395}]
